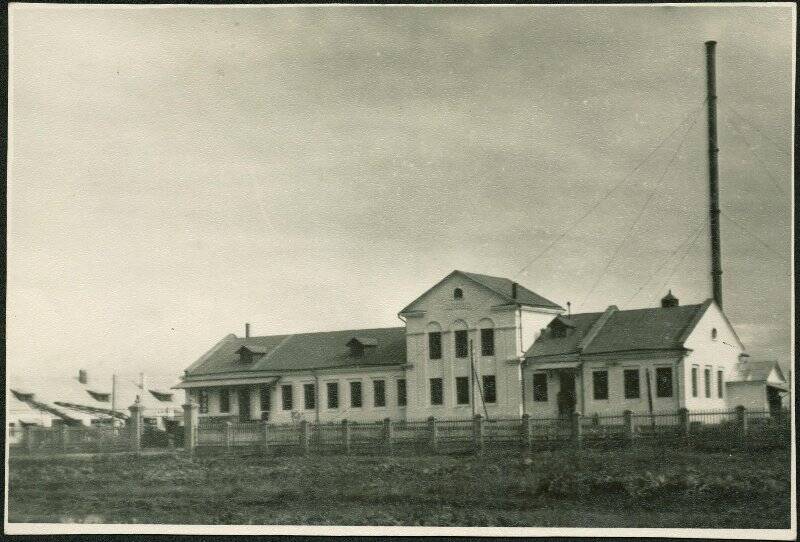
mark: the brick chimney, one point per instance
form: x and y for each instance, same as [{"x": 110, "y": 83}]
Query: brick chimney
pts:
[{"x": 247, "y": 330}]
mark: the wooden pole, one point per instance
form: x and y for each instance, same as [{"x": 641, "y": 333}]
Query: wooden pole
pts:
[{"x": 713, "y": 173}]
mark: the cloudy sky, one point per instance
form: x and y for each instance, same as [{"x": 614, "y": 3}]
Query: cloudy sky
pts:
[{"x": 176, "y": 172}]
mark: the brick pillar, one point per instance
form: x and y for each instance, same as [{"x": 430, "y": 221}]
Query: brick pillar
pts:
[
  {"x": 577, "y": 429},
  {"x": 526, "y": 432},
  {"x": 433, "y": 436},
  {"x": 477, "y": 433},
  {"x": 388, "y": 435},
  {"x": 346, "y": 437},
  {"x": 29, "y": 437},
  {"x": 627, "y": 427},
  {"x": 305, "y": 434},
  {"x": 63, "y": 436},
  {"x": 265, "y": 428},
  {"x": 190, "y": 411},
  {"x": 683, "y": 421},
  {"x": 741, "y": 420},
  {"x": 136, "y": 427}
]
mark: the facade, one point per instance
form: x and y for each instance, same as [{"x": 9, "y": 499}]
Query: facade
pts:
[{"x": 478, "y": 344}]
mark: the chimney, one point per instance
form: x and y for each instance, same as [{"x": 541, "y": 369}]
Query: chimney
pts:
[
  {"x": 669, "y": 300},
  {"x": 83, "y": 377},
  {"x": 569, "y": 309},
  {"x": 514, "y": 290},
  {"x": 247, "y": 330}
]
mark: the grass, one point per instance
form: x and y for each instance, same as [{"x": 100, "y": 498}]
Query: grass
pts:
[{"x": 567, "y": 488}]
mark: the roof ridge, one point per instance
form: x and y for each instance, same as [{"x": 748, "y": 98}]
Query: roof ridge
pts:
[
  {"x": 596, "y": 327},
  {"x": 318, "y": 332}
]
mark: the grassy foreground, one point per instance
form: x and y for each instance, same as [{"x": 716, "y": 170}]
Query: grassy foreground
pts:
[{"x": 567, "y": 488}]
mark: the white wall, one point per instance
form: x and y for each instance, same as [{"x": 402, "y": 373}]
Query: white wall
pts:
[{"x": 750, "y": 395}]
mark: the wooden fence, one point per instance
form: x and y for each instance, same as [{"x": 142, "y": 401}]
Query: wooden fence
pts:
[{"x": 721, "y": 428}]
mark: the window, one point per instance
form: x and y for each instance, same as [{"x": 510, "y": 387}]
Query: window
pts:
[
  {"x": 631, "y": 381},
  {"x": 714, "y": 334},
  {"x": 663, "y": 381},
  {"x": 707, "y": 382},
  {"x": 309, "y": 396},
  {"x": 435, "y": 344},
  {"x": 540, "y": 387},
  {"x": 355, "y": 395},
  {"x": 224, "y": 401},
  {"x": 458, "y": 293},
  {"x": 694, "y": 381},
  {"x": 202, "y": 399},
  {"x": 461, "y": 343},
  {"x": 401, "y": 392},
  {"x": 720, "y": 383},
  {"x": 462, "y": 390},
  {"x": 487, "y": 342},
  {"x": 333, "y": 395},
  {"x": 437, "y": 394},
  {"x": 265, "y": 397},
  {"x": 379, "y": 393},
  {"x": 286, "y": 397},
  {"x": 489, "y": 389},
  {"x": 558, "y": 331},
  {"x": 600, "y": 385}
]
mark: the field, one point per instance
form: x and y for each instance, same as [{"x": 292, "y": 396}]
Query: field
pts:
[{"x": 568, "y": 488}]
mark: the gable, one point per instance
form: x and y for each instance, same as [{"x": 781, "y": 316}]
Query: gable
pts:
[
  {"x": 711, "y": 319},
  {"x": 441, "y": 295}
]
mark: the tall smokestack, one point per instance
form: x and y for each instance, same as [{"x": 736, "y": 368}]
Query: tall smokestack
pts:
[
  {"x": 247, "y": 330},
  {"x": 713, "y": 173},
  {"x": 514, "y": 290}
]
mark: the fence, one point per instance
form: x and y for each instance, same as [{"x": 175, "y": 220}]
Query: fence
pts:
[{"x": 719, "y": 428}]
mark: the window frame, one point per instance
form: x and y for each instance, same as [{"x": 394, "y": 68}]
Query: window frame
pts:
[
  {"x": 602, "y": 375},
  {"x": 459, "y": 347},
  {"x": 328, "y": 387},
  {"x": 707, "y": 382},
  {"x": 402, "y": 392},
  {"x": 377, "y": 385},
  {"x": 287, "y": 399},
  {"x": 720, "y": 384},
  {"x": 458, "y": 293},
  {"x": 356, "y": 384},
  {"x": 439, "y": 388},
  {"x": 309, "y": 398},
  {"x": 487, "y": 349},
  {"x": 265, "y": 398},
  {"x": 694, "y": 376},
  {"x": 671, "y": 383},
  {"x": 542, "y": 388},
  {"x": 485, "y": 379},
  {"x": 626, "y": 391},
  {"x": 202, "y": 401},
  {"x": 435, "y": 345},
  {"x": 462, "y": 391},
  {"x": 225, "y": 398}
]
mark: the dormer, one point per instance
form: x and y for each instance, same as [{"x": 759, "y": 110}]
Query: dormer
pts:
[
  {"x": 360, "y": 345},
  {"x": 561, "y": 326},
  {"x": 249, "y": 353}
]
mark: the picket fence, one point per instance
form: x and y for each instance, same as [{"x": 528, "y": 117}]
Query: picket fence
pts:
[{"x": 477, "y": 434}]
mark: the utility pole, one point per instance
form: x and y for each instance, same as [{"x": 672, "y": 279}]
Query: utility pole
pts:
[
  {"x": 713, "y": 173},
  {"x": 472, "y": 378},
  {"x": 113, "y": 397}
]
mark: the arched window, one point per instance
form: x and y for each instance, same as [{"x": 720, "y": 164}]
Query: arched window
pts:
[
  {"x": 714, "y": 334},
  {"x": 458, "y": 293}
]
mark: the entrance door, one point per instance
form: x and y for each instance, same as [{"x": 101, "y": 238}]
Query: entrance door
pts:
[
  {"x": 566, "y": 393},
  {"x": 244, "y": 404},
  {"x": 774, "y": 401}
]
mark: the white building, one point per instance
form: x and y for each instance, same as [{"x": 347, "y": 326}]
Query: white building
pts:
[{"x": 477, "y": 344}]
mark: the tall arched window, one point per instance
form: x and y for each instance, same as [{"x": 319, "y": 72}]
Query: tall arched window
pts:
[
  {"x": 487, "y": 337},
  {"x": 461, "y": 338},
  {"x": 458, "y": 293}
]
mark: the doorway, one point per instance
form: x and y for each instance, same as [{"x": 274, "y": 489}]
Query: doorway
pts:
[
  {"x": 774, "y": 401},
  {"x": 566, "y": 393},
  {"x": 243, "y": 395}
]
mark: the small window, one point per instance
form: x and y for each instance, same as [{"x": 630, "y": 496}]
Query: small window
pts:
[
  {"x": 224, "y": 401},
  {"x": 401, "y": 392},
  {"x": 437, "y": 394},
  {"x": 540, "y": 387},
  {"x": 265, "y": 397},
  {"x": 355, "y": 395},
  {"x": 489, "y": 389},
  {"x": 462, "y": 390},
  {"x": 487, "y": 342},
  {"x": 631, "y": 381},
  {"x": 379, "y": 393},
  {"x": 558, "y": 331},
  {"x": 462, "y": 347},
  {"x": 286, "y": 397},
  {"x": 694, "y": 381},
  {"x": 435, "y": 344},
  {"x": 309, "y": 396},
  {"x": 714, "y": 334},
  {"x": 720, "y": 384},
  {"x": 600, "y": 385},
  {"x": 202, "y": 399},
  {"x": 458, "y": 293},
  {"x": 707, "y": 382},
  {"x": 333, "y": 395},
  {"x": 663, "y": 381}
]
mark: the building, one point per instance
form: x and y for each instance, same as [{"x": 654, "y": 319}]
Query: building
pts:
[{"x": 477, "y": 344}]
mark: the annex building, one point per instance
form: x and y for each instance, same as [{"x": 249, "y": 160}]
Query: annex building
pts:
[{"x": 475, "y": 343}]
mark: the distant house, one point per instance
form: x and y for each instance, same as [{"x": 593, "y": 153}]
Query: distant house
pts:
[
  {"x": 472, "y": 344},
  {"x": 761, "y": 385}
]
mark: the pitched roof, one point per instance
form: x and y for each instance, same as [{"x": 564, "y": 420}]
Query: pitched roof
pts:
[
  {"x": 306, "y": 351},
  {"x": 757, "y": 371},
  {"x": 503, "y": 287},
  {"x": 658, "y": 328}
]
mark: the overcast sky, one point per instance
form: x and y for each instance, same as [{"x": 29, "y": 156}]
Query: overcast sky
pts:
[{"x": 176, "y": 172}]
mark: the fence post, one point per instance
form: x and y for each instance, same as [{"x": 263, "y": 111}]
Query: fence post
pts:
[
  {"x": 305, "y": 434},
  {"x": 434, "y": 438},
  {"x": 29, "y": 438},
  {"x": 388, "y": 435},
  {"x": 741, "y": 421},
  {"x": 577, "y": 430},
  {"x": 136, "y": 427},
  {"x": 190, "y": 427},
  {"x": 63, "y": 437},
  {"x": 228, "y": 436},
  {"x": 346, "y": 436},
  {"x": 627, "y": 426},
  {"x": 683, "y": 421},
  {"x": 527, "y": 433},
  {"x": 477, "y": 433},
  {"x": 266, "y": 437}
]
